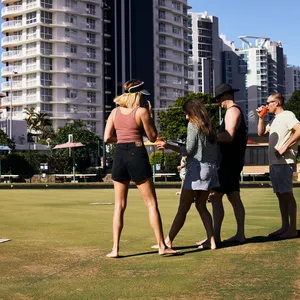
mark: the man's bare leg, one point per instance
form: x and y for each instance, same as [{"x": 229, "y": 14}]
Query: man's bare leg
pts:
[
  {"x": 292, "y": 216},
  {"x": 283, "y": 200},
  {"x": 239, "y": 213}
]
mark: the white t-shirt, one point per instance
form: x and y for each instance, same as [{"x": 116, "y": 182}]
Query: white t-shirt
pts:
[{"x": 280, "y": 130}]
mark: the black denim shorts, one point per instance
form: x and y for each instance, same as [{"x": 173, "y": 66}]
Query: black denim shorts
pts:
[{"x": 131, "y": 162}]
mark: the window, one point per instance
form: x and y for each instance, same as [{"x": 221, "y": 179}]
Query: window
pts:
[
  {"x": 177, "y": 68},
  {"x": 46, "y": 63},
  {"x": 71, "y": 63},
  {"x": 161, "y": 27},
  {"x": 31, "y": 17},
  {"x": 46, "y": 95},
  {"x": 177, "y": 43},
  {"x": 163, "y": 92},
  {"x": 31, "y": 48},
  {"x": 71, "y": 94},
  {"x": 46, "y": 33},
  {"x": 46, "y": 107},
  {"x": 175, "y": 30},
  {"x": 90, "y": 23},
  {"x": 176, "y": 5},
  {"x": 31, "y": 64},
  {"x": 162, "y": 53},
  {"x": 46, "y": 79},
  {"x": 46, "y": 3},
  {"x": 162, "y": 78},
  {"x": 31, "y": 95},
  {"x": 177, "y": 18},
  {"x": 70, "y": 78},
  {"x": 91, "y": 82},
  {"x": 161, "y": 14},
  {"x": 91, "y": 9},
  {"x": 162, "y": 66},
  {"x": 46, "y": 17},
  {"x": 31, "y": 33},
  {"x": 161, "y": 3},
  {"x": 91, "y": 97},
  {"x": 71, "y": 48},
  {"x": 31, "y": 79},
  {"x": 71, "y": 18},
  {"x": 91, "y": 53},
  {"x": 162, "y": 40},
  {"x": 70, "y": 33},
  {"x": 91, "y": 38},
  {"x": 46, "y": 48},
  {"x": 71, "y": 3},
  {"x": 91, "y": 67}
]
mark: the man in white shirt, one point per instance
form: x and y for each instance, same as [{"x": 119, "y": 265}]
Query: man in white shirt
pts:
[{"x": 284, "y": 134}]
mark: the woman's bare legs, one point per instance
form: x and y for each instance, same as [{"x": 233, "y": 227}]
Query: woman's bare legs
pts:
[
  {"x": 121, "y": 192},
  {"x": 147, "y": 190},
  {"x": 206, "y": 219},
  {"x": 186, "y": 200}
]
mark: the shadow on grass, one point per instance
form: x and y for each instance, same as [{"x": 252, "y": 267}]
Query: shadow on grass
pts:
[
  {"x": 224, "y": 244},
  {"x": 227, "y": 244},
  {"x": 149, "y": 252}
]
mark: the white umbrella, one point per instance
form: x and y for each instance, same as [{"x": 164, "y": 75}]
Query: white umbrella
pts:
[{"x": 70, "y": 146}]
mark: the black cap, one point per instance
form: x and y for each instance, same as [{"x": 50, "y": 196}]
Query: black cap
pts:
[{"x": 221, "y": 89}]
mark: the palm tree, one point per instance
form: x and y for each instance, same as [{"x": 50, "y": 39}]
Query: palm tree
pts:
[
  {"x": 42, "y": 122},
  {"x": 30, "y": 119}
]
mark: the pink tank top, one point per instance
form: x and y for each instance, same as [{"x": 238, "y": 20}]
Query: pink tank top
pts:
[{"x": 126, "y": 127}]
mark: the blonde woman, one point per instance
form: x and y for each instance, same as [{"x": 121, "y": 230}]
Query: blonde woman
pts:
[
  {"x": 125, "y": 126},
  {"x": 201, "y": 171}
]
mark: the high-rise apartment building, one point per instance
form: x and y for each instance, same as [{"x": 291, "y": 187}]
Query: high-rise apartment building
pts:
[
  {"x": 54, "y": 59},
  {"x": 205, "y": 63},
  {"x": 234, "y": 70},
  {"x": 265, "y": 73},
  {"x": 292, "y": 80},
  {"x": 152, "y": 44}
]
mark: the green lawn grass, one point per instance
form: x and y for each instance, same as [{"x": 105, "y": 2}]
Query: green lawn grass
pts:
[{"x": 59, "y": 242}]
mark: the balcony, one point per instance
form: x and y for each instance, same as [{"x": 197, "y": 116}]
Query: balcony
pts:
[
  {"x": 6, "y": 86},
  {"x": 11, "y": 55},
  {"x": 12, "y": 10},
  {"x": 11, "y": 25},
  {"x": 5, "y": 101},
  {"x": 11, "y": 40},
  {"x": 10, "y": 69}
]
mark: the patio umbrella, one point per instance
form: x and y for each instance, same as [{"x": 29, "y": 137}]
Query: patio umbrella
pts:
[
  {"x": 70, "y": 146},
  {"x": 3, "y": 148}
]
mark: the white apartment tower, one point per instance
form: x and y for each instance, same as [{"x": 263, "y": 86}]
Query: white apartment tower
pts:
[
  {"x": 171, "y": 51},
  {"x": 292, "y": 77},
  {"x": 265, "y": 73},
  {"x": 53, "y": 59},
  {"x": 205, "y": 65}
]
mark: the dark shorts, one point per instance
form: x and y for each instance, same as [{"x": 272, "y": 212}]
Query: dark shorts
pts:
[
  {"x": 229, "y": 178},
  {"x": 131, "y": 162}
]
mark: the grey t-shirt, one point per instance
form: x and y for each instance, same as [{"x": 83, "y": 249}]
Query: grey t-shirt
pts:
[
  {"x": 280, "y": 130},
  {"x": 198, "y": 148}
]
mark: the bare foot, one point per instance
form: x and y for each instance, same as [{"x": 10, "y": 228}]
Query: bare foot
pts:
[
  {"x": 167, "y": 242},
  {"x": 208, "y": 244},
  {"x": 201, "y": 242},
  {"x": 236, "y": 239},
  {"x": 289, "y": 234},
  {"x": 113, "y": 254},
  {"x": 278, "y": 232},
  {"x": 168, "y": 251}
]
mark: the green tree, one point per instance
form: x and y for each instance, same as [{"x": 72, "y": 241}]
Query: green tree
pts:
[
  {"x": 294, "y": 104},
  {"x": 84, "y": 156},
  {"x": 172, "y": 122},
  {"x": 4, "y": 140}
]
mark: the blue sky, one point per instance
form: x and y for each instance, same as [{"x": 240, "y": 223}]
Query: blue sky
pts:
[{"x": 278, "y": 20}]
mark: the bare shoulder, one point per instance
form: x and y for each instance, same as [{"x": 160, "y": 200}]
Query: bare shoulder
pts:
[
  {"x": 233, "y": 112},
  {"x": 141, "y": 111}
]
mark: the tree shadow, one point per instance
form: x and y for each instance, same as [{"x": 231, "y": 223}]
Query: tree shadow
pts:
[{"x": 150, "y": 252}]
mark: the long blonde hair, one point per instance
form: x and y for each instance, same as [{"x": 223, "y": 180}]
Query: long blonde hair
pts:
[{"x": 130, "y": 100}]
